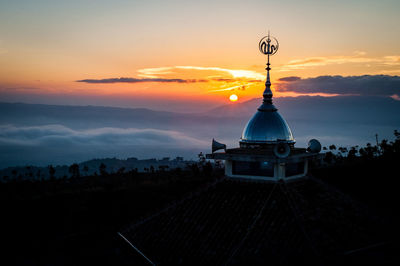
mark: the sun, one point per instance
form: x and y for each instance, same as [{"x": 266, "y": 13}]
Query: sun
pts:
[{"x": 233, "y": 98}]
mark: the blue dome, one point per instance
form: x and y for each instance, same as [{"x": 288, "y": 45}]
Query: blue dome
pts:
[{"x": 267, "y": 126}]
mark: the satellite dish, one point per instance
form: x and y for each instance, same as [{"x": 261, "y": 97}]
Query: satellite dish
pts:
[
  {"x": 282, "y": 150},
  {"x": 217, "y": 146},
  {"x": 314, "y": 146}
]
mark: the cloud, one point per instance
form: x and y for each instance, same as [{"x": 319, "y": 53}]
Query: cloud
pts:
[
  {"x": 59, "y": 134},
  {"x": 58, "y": 144},
  {"x": 154, "y": 72},
  {"x": 234, "y": 73},
  {"x": 223, "y": 79},
  {"x": 379, "y": 85},
  {"x": 358, "y": 57},
  {"x": 289, "y": 79},
  {"x": 158, "y": 75},
  {"x": 395, "y": 97},
  {"x": 239, "y": 88},
  {"x": 136, "y": 80},
  {"x": 392, "y": 60}
]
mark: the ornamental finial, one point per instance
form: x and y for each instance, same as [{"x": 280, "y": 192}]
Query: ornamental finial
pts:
[{"x": 268, "y": 45}]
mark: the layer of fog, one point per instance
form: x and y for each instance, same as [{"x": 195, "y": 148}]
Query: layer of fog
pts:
[{"x": 50, "y": 134}]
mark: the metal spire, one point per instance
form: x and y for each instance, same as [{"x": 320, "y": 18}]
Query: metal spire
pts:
[{"x": 268, "y": 49}]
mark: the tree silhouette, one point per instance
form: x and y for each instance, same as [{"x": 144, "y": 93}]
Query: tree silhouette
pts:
[
  {"x": 163, "y": 168},
  {"x": 29, "y": 171},
  {"x": 202, "y": 158},
  {"x": 396, "y": 134},
  {"x": 342, "y": 150},
  {"x": 38, "y": 174},
  {"x": 329, "y": 157},
  {"x": 74, "y": 170},
  {"x": 386, "y": 147},
  {"x": 396, "y": 143},
  {"x": 352, "y": 153},
  {"x": 121, "y": 170},
  {"x": 14, "y": 173},
  {"x": 195, "y": 169},
  {"x": 86, "y": 169},
  {"x": 102, "y": 169},
  {"x": 52, "y": 171},
  {"x": 207, "y": 168}
]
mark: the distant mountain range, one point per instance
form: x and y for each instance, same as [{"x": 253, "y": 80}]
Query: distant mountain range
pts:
[
  {"x": 37, "y": 134},
  {"x": 353, "y": 109},
  {"x": 341, "y": 108}
]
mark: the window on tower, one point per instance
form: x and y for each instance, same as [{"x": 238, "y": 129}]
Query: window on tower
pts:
[{"x": 253, "y": 168}]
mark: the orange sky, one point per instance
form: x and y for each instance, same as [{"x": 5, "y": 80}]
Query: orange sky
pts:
[{"x": 45, "y": 47}]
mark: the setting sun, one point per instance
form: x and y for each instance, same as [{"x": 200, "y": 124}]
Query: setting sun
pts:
[{"x": 233, "y": 98}]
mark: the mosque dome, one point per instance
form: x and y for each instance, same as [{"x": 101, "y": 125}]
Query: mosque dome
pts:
[{"x": 267, "y": 126}]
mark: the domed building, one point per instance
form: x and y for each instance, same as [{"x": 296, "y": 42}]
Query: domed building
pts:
[
  {"x": 266, "y": 149},
  {"x": 248, "y": 218}
]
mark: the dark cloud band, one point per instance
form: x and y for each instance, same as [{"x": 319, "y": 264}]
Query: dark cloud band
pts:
[
  {"x": 290, "y": 79},
  {"x": 136, "y": 80},
  {"x": 368, "y": 85},
  {"x": 162, "y": 80}
]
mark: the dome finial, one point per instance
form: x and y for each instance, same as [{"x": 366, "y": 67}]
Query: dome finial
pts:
[
  {"x": 267, "y": 48},
  {"x": 267, "y": 127}
]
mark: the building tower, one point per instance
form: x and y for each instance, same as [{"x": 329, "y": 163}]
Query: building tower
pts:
[{"x": 266, "y": 149}]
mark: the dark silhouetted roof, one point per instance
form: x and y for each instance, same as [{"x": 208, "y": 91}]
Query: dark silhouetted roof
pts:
[{"x": 240, "y": 222}]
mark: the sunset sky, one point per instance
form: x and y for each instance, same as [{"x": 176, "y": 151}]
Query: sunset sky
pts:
[{"x": 190, "y": 55}]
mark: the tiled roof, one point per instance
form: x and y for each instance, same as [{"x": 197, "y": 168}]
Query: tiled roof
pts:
[{"x": 236, "y": 222}]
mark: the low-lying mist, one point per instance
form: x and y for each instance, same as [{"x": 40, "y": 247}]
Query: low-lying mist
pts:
[{"x": 32, "y": 134}]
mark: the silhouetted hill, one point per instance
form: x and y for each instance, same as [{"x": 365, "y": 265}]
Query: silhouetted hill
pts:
[
  {"x": 347, "y": 109},
  {"x": 83, "y": 116}
]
